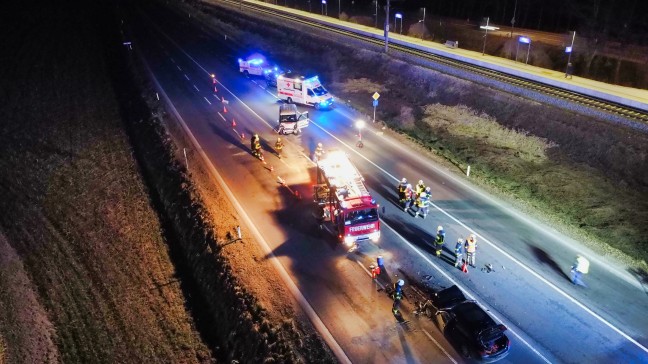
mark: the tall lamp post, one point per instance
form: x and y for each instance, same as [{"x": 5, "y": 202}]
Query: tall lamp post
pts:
[
  {"x": 399, "y": 16},
  {"x": 360, "y": 124},
  {"x": 339, "y": 8},
  {"x": 569, "y": 50},
  {"x": 486, "y": 29},
  {"x": 324, "y": 6},
  {"x": 523, "y": 40},
  {"x": 387, "y": 27}
]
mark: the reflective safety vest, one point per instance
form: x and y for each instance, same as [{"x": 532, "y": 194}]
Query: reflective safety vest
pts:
[
  {"x": 424, "y": 201},
  {"x": 471, "y": 246},
  {"x": 420, "y": 188},
  {"x": 582, "y": 265},
  {"x": 402, "y": 187},
  {"x": 440, "y": 237}
]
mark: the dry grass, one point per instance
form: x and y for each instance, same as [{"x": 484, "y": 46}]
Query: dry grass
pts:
[{"x": 80, "y": 217}]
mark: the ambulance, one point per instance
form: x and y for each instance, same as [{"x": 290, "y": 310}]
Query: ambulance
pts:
[
  {"x": 301, "y": 90},
  {"x": 255, "y": 64}
]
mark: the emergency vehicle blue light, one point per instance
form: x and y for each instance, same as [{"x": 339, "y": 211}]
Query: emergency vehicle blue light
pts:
[
  {"x": 276, "y": 69},
  {"x": 240, "y": 60},
  {"x": 256, "y": 61}
]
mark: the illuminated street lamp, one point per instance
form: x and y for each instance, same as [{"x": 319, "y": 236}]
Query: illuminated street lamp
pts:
[
  {"x": 399, "y": 16},
  {"x": 486, "y": 29},
  {"x": 569, "y": 50},
  {"x": 360, "y": 124},
  {"x": 324, "y": 8},
  {"x": 523, "y": 40}
]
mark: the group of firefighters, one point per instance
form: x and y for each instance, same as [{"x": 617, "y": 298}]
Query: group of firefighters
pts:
[
  {"x": 255, "y": 146},
  {"x": 417, "y": 197}
]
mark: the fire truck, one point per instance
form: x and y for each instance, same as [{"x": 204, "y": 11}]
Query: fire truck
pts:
[
  {"x": 303, "y": 90},
  {"x": 345, "y": 206}
]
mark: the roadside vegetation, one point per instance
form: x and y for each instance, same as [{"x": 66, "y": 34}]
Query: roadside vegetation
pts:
[
  {"x": 585, "y": 174},
  {"x": 107, "y": 253}
]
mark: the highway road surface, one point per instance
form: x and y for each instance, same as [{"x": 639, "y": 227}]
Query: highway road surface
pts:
[{"x": 549, "y": 319}]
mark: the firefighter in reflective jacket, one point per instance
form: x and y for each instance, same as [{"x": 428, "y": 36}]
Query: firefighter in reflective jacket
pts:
[
  {"x": 423, "y": 203},
  {"x": 253, "y": 141},
  {"x": 256, "y": 148},
  {"x": 438, "y": 241},
  {"x": 279, "y": 147},
  {"x": 471, "y": 249},
  {"x": 319, "y": 151},
  {"x": 409, "y": 197},
  {"x": 420, "y": 188},
  {"x": 459, "y": 251},
  {"x": 397, "y": 296},
  {"x": 402, "y": 187}
]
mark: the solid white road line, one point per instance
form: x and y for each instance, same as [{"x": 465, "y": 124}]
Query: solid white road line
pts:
[
  {"x": 187, "y": 77},
  {"x": 207, "y": 100},
  {"x": 196, "y": 88},
  {"x": 222, "y": 117}
]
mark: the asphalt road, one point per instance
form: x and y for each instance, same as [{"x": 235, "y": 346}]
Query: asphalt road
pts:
[{"x": 549, "y": 319}]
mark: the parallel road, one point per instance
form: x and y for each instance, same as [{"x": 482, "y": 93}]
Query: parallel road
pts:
[
  {"x": 264, "y": 10},
  {"x": 549, "y": 319}
]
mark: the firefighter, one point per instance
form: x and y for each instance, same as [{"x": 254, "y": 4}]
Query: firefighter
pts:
[
  {"x": 471, "y": 249},
  {"x": 256, "y": 148},
  {"x": 580, "y": 267},
  {"x": 409, "y": 197},
  {"x": 402, "y": 187},
  {"x": 319, "y": 151},
  {"x": 438, "y": 241},
  {"x": 423, "y": 205},
  {"x": 429, "y": 192},
  {"x": 459, "y": 251},
  {"x": 397, "y": 296},
  {"x": 420, "y": 187},
  {"x": 255, "y": 138},
  {"x": 279, "y": 147}
]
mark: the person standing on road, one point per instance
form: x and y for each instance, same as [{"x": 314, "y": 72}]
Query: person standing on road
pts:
[
  {"x": 423, "y": 205},
  {"x": 420, "y": 188},
  {"x": 397, "y": 296},
  {"x": 279, "y": 147},
  {"x": 459, "y": 251},
  {"x": 253, "y": 141},
  {"x": 580, "y": 267},
  {"x": 319, "y": 151},
  {"x": 471, "y": 249},
  {"x": 402, "y": 187},
  {"x": 438, "y": 241},
  {"x": 409, "y": 197}
]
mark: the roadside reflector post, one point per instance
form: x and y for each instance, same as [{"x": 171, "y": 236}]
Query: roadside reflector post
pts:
[
  {"x": 468, "y": 171},
  {"x": 157, "y": 96},
  {"x": 186, "y": 159}
]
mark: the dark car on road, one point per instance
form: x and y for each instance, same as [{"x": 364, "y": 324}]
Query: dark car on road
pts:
[{"x": 473, "y": 332}]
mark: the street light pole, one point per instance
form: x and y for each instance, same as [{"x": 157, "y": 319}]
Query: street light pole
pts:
[
  {"x": 485, "y": 36},
  {"x": 513, "y": 20},
  {"x": 339, "y": 8},
  {"x": 571, "y": 48},
  {"x": 387, "y": 27},
  {"x": 376, "y": 14}
]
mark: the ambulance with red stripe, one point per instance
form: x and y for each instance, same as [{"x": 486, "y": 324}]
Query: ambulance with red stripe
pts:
[{"x": 293, "y": 88}]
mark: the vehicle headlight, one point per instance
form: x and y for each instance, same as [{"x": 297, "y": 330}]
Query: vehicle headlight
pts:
[{"x": 348, "y": 240}]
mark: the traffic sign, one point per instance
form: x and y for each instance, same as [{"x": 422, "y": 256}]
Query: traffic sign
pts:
[
  {"x": 376, "y": 96},
  {"x": 375, "y": 103}
]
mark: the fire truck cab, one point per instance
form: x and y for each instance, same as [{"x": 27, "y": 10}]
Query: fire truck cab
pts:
[
  {"x": 345, "y": 206},
  {"x": 302, "y": 90}
]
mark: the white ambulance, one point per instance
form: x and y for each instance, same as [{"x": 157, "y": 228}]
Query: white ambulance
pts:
[
  {"x": 255, "y": 64},
  {"x": 301, "y": 90}
]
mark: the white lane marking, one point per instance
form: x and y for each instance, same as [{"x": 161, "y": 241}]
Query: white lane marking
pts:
[
  {"x": 463, "y": 289},
  {"x": 513, "y": 259},
  {"x": 438, "y": 345},
  {"x": 187, "y": 77},
  {"x": 179, "y": 69},
  {"x": 254, "y": 81},
  {"x": 206, "y": 100},
  {"x": 557, "y": 289},
  {"x": 196, "y": 88},
  {"x": 310, "y": 312},
  {"x": 172, "y": 60},
  {"x": 221, "y": 115},
  {"x": 271, "y": 94}
]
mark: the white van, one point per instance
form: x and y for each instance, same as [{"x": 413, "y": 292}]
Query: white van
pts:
[{"x": 301, "y": 90}]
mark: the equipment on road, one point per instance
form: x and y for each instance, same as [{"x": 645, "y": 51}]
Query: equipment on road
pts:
[
  {"x": 290, "y": 120},
  {"x": 271, "y": 75},
  {"x": 301, "y": 90},
  {"x": 345, "y": 206}
]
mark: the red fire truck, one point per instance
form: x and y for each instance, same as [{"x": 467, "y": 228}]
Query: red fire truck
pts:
[{"x": 345, "y": 206}]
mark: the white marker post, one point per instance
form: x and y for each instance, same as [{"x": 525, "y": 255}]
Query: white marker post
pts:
[
  {"x": 468, "y": 172},
  {"x": 186, "y": 160}
]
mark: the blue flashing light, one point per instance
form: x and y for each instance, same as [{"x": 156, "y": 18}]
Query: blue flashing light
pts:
[
  {"x": 240, "y": 60},
  {"x": 568, "y": 49},
  {"x": 256, "y": 61},
  {"x": 398, "y": 16},
  {"x": 525, "y": 40}
]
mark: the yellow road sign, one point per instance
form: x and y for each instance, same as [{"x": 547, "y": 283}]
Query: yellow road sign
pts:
[{"x": 376, "y": 96}]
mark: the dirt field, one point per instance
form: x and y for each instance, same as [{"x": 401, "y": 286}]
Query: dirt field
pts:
[
  {"x": 589, "y": 185},
  {"x": 85, "y": 272}
]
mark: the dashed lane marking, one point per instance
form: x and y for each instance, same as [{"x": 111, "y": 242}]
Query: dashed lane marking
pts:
[{"x": 207, "y": 100}]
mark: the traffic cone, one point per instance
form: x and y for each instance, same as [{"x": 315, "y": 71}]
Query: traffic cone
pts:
[
  {"x": 242, "y": 135},
  {"x": 224, "y": 109},
  {"x": 464, "y": 267},
  {"x": 271, "y": 169},
  {"x": 233, "y": 123}
]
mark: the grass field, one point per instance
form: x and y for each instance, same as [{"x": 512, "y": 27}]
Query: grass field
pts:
[
  {"x": 582, "y": 173},
  {"x": 88, "y": 275}
]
